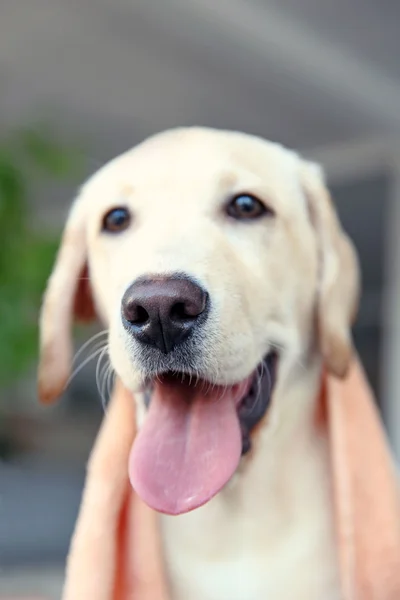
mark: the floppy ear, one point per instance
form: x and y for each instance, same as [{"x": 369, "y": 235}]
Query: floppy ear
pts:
[
  {"x": 67, "y": 297},
  {"x": 339, "y": 275}
]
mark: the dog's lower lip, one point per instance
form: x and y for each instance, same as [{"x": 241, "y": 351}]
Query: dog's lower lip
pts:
[
  {"x": 252, "y": 407},
  {"x": 255, "y": 404}
]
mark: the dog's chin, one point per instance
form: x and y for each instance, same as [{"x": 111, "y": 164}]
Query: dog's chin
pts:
[{"x": 194, "y": 434}]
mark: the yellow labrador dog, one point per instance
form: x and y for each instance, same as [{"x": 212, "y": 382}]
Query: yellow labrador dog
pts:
[{"x": 219, "y": 267}]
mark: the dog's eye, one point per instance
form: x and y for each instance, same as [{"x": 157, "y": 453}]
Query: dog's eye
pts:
[
  {"x": 116, "y": 220},
  {"x": 246, "y": 207}
]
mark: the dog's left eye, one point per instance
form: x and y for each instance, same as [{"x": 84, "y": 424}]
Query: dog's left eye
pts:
[
  {"x": 246, "y": 207},
  {"x": 116, "y": 220}
]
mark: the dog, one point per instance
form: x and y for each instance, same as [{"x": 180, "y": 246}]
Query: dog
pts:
[{"x": 217, "y": 262}]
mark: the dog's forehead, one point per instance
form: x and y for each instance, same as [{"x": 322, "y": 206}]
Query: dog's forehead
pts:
[{"x": 197, "y": 159}]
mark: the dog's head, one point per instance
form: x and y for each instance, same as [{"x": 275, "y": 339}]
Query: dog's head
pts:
[{"x": 216, "y": 261}]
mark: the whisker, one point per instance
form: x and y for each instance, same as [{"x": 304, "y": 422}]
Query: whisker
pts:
[
  {"x": 85, "y": 362},
  {"x": 88, "y": 343},
  {"x": 108, "y": 382},
  {"x": 282, "y": 350},
  {"x": 98, "y": 367},
  {"x": 103, "y": 377},
  {"x": 111, "y": 380}
]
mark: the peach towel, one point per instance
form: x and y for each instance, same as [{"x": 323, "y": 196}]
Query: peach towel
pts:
[{"x": 116, "y": 554}]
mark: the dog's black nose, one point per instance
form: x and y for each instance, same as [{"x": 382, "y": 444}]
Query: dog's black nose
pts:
[{"x": 163, "y": 311}]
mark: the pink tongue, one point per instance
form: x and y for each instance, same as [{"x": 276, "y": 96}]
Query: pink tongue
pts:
[{"x": 188, "y": 448}]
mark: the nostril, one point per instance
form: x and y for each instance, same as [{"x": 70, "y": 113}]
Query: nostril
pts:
[
  {"x": 137, "y": 315},
  {"x": 181, "y": 312},
  {"x": 141, "y": 317}
]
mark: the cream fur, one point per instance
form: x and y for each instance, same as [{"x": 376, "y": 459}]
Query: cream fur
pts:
[
  {"x": 262, "y": 536},
  {"x": 288, "y": 282}
]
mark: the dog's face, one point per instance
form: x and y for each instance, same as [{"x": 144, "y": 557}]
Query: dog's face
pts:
[
  {"x": 230, "y": 217},
  {"x": 212, "y": 255}
]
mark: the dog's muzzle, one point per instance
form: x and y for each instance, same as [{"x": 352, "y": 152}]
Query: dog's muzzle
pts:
[{"x": 195, "y": 430}]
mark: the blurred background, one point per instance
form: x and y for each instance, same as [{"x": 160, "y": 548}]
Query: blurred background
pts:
[{"x": 83, "y": 81}]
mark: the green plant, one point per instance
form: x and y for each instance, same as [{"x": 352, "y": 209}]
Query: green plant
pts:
[{"x": 26, "y": 255}]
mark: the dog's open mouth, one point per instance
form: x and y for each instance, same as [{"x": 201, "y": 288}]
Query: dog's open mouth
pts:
[{"x": 194, "y": 435}]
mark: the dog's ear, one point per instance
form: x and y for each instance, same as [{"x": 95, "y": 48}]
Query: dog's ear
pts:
[
  {"x": 67, "y": 297},
  {"x": 339, "y": 275}
]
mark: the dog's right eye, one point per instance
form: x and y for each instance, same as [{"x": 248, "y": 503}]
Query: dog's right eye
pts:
[
  {"x": 116, "y": 220},
  {"x": 246, "y": 207}
]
